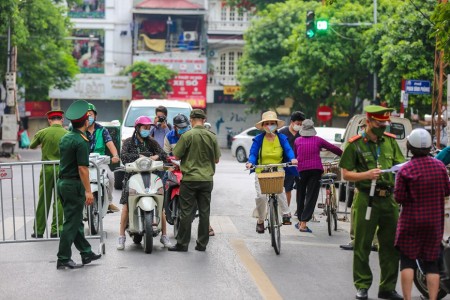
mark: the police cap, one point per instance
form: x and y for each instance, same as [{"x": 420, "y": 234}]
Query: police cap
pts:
[
  {"x": 55, "y": 114},
  {"x": 379, "y": 113}
]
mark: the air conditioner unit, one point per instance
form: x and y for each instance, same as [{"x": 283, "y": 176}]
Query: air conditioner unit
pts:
[{"x": 190, "y": 36}]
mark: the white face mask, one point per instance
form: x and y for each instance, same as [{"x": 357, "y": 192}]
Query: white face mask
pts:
[
  {"x": 270, "y": 128},
  {"x": 297, "y": 127}
]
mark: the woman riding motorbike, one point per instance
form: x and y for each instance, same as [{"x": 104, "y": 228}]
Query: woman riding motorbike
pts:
[{"x": 133, "y": 148}]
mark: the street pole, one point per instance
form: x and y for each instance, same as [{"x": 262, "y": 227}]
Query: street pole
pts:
[{"x": 375, "y": 73}]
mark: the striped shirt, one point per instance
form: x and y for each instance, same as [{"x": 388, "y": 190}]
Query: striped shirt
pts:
[{"x": 307, "y": 150}]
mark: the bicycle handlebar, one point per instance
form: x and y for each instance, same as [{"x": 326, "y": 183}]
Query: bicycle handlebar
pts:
[{"x": 284, "y": 165}]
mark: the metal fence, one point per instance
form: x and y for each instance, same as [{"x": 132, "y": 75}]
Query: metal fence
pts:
[{"x": 19, "y": 198}]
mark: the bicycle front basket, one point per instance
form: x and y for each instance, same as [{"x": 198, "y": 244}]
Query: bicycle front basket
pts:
[{"x": 271, "y": 183}]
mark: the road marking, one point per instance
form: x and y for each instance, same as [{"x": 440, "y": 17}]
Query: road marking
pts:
[
  {"x": 265, "y": 286},
  {"x": 9, "y": 227},
  {"x": 326, "y": 245},
  {"x": 222, "y": 224}
]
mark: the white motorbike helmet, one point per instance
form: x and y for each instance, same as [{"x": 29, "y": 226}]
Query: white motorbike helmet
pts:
[{"x": 419, "y": 138}]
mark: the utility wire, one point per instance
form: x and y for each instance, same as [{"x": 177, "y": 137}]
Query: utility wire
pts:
[
  {"x": 418, "y": 9},
  {"x": 341, "y": 36}
]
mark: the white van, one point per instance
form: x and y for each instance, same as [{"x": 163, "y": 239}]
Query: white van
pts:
[{"x": 146, "y": 107}]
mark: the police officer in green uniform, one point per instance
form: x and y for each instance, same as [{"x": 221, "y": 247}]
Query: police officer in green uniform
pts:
[
  {"x": 362, "y": 161},
  {"x": 49, "y": 139},
  {"x": 74, "y": 188},
  {"x": 199, "y": 152}
]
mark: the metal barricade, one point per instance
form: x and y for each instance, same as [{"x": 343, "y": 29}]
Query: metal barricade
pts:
[{"x": 20, "y": 192}]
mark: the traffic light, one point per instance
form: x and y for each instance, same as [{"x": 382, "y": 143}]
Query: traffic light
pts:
[{"x": 310, "y": 24}]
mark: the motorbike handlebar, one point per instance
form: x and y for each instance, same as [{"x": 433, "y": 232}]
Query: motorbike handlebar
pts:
[{"x": 284, "y": 165}]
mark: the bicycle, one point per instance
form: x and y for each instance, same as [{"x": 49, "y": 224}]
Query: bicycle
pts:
[
  {"x": 271, "y": 182},
  {"x": 331, "y": 205}
]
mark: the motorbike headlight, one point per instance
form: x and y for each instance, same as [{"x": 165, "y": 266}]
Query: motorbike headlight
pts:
[
  {"x": 132, "y": 192},
  {"x": 145, "y": 164}
]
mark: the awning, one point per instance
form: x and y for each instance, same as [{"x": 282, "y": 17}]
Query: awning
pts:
[{"x": 173, "y": 7}]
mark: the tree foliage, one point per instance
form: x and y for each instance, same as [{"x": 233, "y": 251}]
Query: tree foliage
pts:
[
  {"x": 39, "y": 29},
  {"x": 150, "y": 79},
  {"x": 248, "y": 4},
  {"x": 336, "y": 68},
  {"x": 441, "y": 17}
]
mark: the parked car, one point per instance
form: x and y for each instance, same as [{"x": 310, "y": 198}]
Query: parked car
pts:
[
  {"x": 329, "y": 134},
  {"x": 242, "y": 142}
]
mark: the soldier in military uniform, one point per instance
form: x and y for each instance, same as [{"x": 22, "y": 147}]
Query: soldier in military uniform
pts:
[
  {"x": 362, "y": 161},
  {"x": 74, "y": 188},
  {"x": 199, "y": 152},
  {"x": 49, "y": 139}
]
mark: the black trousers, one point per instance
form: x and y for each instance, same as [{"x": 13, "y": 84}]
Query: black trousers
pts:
[{"x": 307, "y": 193}]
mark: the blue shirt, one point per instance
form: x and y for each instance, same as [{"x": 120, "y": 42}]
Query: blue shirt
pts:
[
  {"x": 159, "y": 133},
  {"x": 444, "y": 155}
]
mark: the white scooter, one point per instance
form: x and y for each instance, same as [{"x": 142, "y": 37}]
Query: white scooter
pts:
[
  {"x": 145, "y": 201},
  {"x": 99, "y": 185}
]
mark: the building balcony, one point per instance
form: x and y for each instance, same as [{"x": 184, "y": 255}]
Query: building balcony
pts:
[
  {"x": 227, "y": 27},
  {"x": 222, "y": 80}
]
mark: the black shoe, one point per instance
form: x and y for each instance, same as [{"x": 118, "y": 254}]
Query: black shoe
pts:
[
  {"x": 90, "y": 257},
  {"x": 348, "y": 246},
  {"x": 287, "y": 220},
  {"x": 361, "y": 294},
  {"x": 391, "y": 295},
  {"x": 200, "y": 248},
  {"x": 39, "y": 236},
  {"x": 260, "y": 227},
  {"x": 374, "y": 248},
  {"x": 178, "y": 248},
  {"x": 70, "y": 264}
]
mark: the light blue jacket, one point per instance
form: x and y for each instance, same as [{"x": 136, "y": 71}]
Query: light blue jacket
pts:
[{"x": 288, "y": 154}]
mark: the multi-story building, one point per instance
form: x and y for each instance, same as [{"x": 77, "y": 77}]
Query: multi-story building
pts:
[
  {"x": 102, "y": 40},
  {"x": 226, "y": 27}
]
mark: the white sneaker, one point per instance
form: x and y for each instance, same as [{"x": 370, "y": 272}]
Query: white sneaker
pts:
[
  {"x": 165, "y": 241},
  {"x": 121, "y": 244}
]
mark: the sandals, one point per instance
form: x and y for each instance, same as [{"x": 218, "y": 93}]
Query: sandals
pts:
[
  {"x": 306, "y": 229},
  {"x": 211, "y": 232}
]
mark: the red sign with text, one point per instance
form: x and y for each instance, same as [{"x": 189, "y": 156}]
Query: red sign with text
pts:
[{"x": 190, "y": 88}]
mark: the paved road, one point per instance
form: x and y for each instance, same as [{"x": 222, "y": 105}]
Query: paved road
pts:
[{"x": 238, "y": 263}]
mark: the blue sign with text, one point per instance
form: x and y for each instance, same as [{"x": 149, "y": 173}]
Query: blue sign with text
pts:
[{"x": 418, "y": 87}]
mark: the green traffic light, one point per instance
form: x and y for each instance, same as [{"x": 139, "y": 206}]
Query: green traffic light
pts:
[
  {"x": 322, "y": 25},
  {"x": 310, "y": 33}
]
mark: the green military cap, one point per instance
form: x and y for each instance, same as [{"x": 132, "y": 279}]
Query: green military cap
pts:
[
  {"x": 379, "y": 113},
  {"x": 198, "y": 114},
  {"x": 77, "y": 111}
]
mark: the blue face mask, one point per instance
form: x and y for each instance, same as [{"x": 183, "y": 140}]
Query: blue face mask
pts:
[
  {"x": 183, "y": 130},
  {"x": 144, "y": 133},
  {"x": 91, "y": 120}
]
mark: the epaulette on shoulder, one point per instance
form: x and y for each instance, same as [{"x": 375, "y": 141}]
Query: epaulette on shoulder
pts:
[
  {"x": 390, "y": 135},
  {"x": 354, "y": 138}
]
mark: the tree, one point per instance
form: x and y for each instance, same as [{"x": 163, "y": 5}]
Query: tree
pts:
[
  {"x": 150, "y": 79},
  {"x": 248, "y": 4},
  {"x": 39, "y": 29},
  {"x": 400, "y": 47},
  {"x": 440, "y": 17}
]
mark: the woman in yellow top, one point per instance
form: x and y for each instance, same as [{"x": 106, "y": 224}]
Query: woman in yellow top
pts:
[{"x": 270, "y": 147}]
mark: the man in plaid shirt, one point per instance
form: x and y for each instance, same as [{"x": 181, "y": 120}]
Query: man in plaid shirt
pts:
[{"x": 421, "y": 186}]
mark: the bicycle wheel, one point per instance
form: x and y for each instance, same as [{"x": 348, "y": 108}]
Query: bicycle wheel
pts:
[
  {"x": 328, "y": 209},
  {"x": 334, "y": 206},
  {"x": 274, "y": 224}
]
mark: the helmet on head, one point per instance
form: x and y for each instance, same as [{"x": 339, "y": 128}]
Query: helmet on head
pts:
[
  {"x": 419, "y": 138},
  {"x": 143, "y": 120},
  {"x": 181, "y": 121},
  {"x": 92, "y": 107}
]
